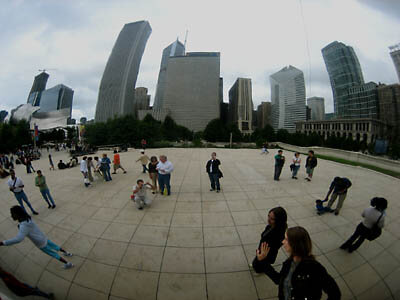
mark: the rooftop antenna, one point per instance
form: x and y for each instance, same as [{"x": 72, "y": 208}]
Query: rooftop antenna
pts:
[
  {"x": 44, "y": 70},
  {"x": 184, "y": 45}
]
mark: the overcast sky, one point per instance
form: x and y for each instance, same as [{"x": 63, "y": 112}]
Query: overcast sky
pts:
[{"x": 255, "y": 38}]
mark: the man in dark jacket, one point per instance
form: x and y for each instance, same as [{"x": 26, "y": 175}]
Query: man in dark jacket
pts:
[
  {"x": 212, "y": 168},
  {"x": 339, "y": 187},
  {"x": 311, "y": 163},
  {"x": 279, "y": 162}
]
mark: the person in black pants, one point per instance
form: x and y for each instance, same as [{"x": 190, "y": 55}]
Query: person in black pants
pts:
[
  {"x": 301, "y": 276},
  {"x": 212, "y": 168},
  {"x": 273, "y": 235},
  {"x": 279, "y": 162}
]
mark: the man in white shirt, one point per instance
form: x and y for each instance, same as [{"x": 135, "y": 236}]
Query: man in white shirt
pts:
[
  {"x": 16, "y": 186},
  {"x": 140, "y": 195},
  {"x": 28, "y": 228},
  {"x": 84, "y": 171},
  {"x": 164, "y": 168}
]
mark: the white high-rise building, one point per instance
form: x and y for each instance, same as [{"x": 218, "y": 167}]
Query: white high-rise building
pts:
[
  {"x": 288, "y": 98},
  {"x": 395, "y": 54},
  {"x": 317, "y": 106}
]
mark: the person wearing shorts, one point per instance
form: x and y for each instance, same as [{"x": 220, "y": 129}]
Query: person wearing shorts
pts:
[
  {"x": 311, "y": 163},
  {"x": 117, "y": 162},
  {"x": 28, "y": 228}
]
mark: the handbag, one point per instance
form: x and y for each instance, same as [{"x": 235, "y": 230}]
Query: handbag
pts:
[
  {"x": 291, "y": 167},
  {"x": 375, "y": 231},
  {"x": 220, "y": 175}
]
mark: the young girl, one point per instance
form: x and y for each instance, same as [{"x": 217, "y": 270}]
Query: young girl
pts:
[{"x": 28, "y": 228}]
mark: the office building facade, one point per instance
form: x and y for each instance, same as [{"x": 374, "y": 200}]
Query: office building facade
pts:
[
  {"x": 175, "y": 49},
  {"x": 264, "y": 111},
  {"x": 344, "y": 72},
  {"x": 241, "y": 105},
  {"x": 288, "y": 98},
  {"x": 317, "y": 106},
  {"x": 191, "y": 93},
  {"x": 142, "y": 100},
  {"x": 362, "y": 101},
  {"x": 389, "y": 108},
  {"x": 38, "y": 86},
  {"x": 395, "y": 54},
  {"x": 117, "y": 86}
]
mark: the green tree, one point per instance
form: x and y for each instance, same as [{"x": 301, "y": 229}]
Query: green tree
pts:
[
  {"x": 283, "y": 136},
  {"x": 216, "y": 131}
]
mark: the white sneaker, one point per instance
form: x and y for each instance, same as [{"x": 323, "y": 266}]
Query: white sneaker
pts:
[{"x": 68, "y": 266}]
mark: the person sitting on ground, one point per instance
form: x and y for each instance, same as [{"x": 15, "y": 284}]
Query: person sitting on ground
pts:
[
  {"x": 301, "y": 276},
  {"x": 28, "y": 228},
  {"x": 373, "y": 216},
  {"x": 61, "y": 165},
  {"x": 273, "y": 235},
  {"x": 139, "y": 194},
  {"x": 319, "y": 205}
]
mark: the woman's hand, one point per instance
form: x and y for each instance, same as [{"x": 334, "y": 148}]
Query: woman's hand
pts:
[{"x": 263, "y": 252}]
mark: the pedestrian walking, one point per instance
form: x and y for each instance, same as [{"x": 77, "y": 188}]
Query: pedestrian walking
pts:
[
  {"x": 40, "y": 182},
  {"x": 105, "y": 167},
  {"x": 371, "y": 226},
  {"x": 140, "y": 195},
  {"x": 295, "y": 166},
  {"x": 301, "y": 276},
  {"x": 29, "y": 167},
  {"x": 117, "y": 163},
  {"x": 153, "y": 174},
  {"x": 212, "y": 169},
  {"x": 22, "y": 289},
  {"x": 339, "y": 187},
  {"x": 144, "y": 159},
  {"x": 279, "y": 162},
  {"x": 16, "y": 186},
  {"x": 273, "y": 235},
  {"x": 84, "y": 171},
  {"x": 97, "y": 166},
  {"x": 311, "y": 163},
  {"x": 164, "y": 168},
  {"x": 51, "y": 163},
  {"x": 28, "y": 228},
  {"x": 90, "y": 167}
]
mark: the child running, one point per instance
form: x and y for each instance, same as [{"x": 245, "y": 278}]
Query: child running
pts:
[{"x": 29, "y": 228}]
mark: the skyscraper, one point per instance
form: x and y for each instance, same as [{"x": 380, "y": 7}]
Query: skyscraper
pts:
[
  {"x": 241, "y": 105},
  {"x": 264, "y": 114},
  {"x": 395, "y": 54},
  {"x": 191, "y": 92},
  {"x": 142, "y": 100},
  {"x": 174, "y": 49},
  {"x": 317, "y": 105},
  {"x": 344, "y": 72},
  {"x": 117, "y": 86},
  {"x": 39, "y": 85},
  {"x": 288, "y": 95}
]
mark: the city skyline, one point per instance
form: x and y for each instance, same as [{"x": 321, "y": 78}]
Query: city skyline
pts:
[{"x": 36, "y": 37}]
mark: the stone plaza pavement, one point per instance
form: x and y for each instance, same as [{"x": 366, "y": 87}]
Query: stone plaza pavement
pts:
[{"x": 197, "y": 244}]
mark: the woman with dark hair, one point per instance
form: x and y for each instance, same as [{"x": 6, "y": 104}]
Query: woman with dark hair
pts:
[
  {"x": 373, "y": 216},
  {"x": 273, "y": 235},
  {"x": 301, "y": 276},
  {"x": 153, "y": 173},
  {"x": 28, "y": 228}
]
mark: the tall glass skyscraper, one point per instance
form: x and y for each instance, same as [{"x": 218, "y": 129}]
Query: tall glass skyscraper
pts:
[
  {"x": 344, "y": 72},
  {"x": 395, "y": 54},
  {"x": 117, "y": 86},
  {"x": 288, "y": 98},
  {"x": 174, "y": 49}
]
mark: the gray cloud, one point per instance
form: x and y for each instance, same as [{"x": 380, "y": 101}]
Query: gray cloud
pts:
[{"x": 386, "y": 7}]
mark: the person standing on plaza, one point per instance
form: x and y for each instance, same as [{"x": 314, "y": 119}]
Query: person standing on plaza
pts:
[
  {"x": 301, "y": 276},
  {"x": 212, "y": 169},
  {"x": 296, "y": 161},
  {"x": 97, "y": 166},
  {"x": 311, "y": 163},
  {"x": 373, "y": 216},
  {"x": 153, "y": 174},
  {"x": 117, "y": 163},
  {"x": 90, "y": 167},
  {"x": 105, "y": 167},
  {"x": 51, "y": 163},
  {"x": 339, "y": 187},
  {"x": 164, "y": 168},
  {"x": 144, "y": 159},
  {"x": 279, "y": 162},
  {"x": 143, "y": 143},
  {"x": 16, "y": 186},
  {"x": 273, "y": 235},
  {"x": 84, "y": 171},
  {"x": 28, "y": 228},
  {"x": 139, "y": 194},
  {"x": 29, "y": 167},
  {"x": 40, "y": 182}
]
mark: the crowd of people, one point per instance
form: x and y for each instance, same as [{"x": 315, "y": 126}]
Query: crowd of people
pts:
[{"x": 301, "y": 275}]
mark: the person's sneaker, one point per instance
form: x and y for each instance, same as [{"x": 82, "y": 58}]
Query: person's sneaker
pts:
[
  {"x": 251, "y": 266},
  {"x": 68, "y": 266},
  {"x": 295, "y": 177},
  {"x": 218, "y": 191},
  {"x": 35, "y": 213},
  {"x": 69, "y": 254},
  {"x": 336, "y": 213},
  {"x": 54, "y": 206},
  {"x": 49, "y": 206},
  {"x": 140, "y": 208},
  {"x": 211, "y": 190},
  {"x": 344, "y": 247},
  {"x": 124, "y": 172}
]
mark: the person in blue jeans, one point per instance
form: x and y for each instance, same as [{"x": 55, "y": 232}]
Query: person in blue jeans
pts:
[
  {"x": 40, "y": 181},
  {"x": 295, "y": 165},
  {"x": 212, "y": 169},
  {"x": 16, "y": 186},
  {"x": 164, "y": 168},
  {"x": 105, "y": 167}
]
